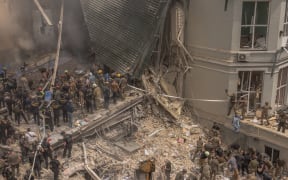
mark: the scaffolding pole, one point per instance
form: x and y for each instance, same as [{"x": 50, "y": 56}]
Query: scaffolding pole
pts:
[{"x": 58, "y": 46}]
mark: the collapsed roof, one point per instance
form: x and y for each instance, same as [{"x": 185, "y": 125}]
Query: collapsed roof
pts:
[{"x": 123, "y": 32}]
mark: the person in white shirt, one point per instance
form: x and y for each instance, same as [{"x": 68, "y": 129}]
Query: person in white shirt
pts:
[{"x": 30, "y": 136}]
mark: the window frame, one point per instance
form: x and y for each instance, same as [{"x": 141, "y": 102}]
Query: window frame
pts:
[
  {"x": 281, "y": 87},
  {"x": 254, "y": 26},
  {"x": 247, "y": 90},
  {"x": 285, "y": 24}
]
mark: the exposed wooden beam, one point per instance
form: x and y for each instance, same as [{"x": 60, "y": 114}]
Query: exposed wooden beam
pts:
[{"x": 48, "y": 21}]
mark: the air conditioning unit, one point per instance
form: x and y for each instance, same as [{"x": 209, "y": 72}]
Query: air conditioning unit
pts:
[
  {"x": 242, "y": 57},
  {"x": 284, "y": 41}
]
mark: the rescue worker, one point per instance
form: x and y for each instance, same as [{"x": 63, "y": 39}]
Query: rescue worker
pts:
[
  {"x": 216, "y": 142},
  {"x": 115, "y": 90},
  {"x": 18, "y": 112},
  {"x": 232, "y": 102},
  {"x": 167, "y": 169},
  {"x": 3, "y": 131},
  {"x": 35, "y": 110},
  {"x": 204, "y": 166},
  {"x": 106, "y": 94},
  {"x": 48, "y": 118},
  {"x": 232, "y": 164},
  {"x": 63, "y": 103},
  {"x": 37, "y": 164},
  {"x": 14, "y": 160},
  {"x": 88, "y": 100},
  {"x": 27, "y": 175},
  {"x": 24, "y": 146},
  {"x": 242, "y": 107},
  {"x": 66, "y": 75},
  {"x": 56, "y": 112},
  {"x": 264, "y": 114},
  {"x": 55, "y": 167},
  {"x": 23, "y": 83},
  {"x": 122, "y": 87},
  {"x": 7, "y": 173},
  {"x": 46, "y": 151},
  {"x": 214, "y": 164},
  {"x": 245, "y": 163},
  {"x": 253, "y": 164},
  {"x": 68, "y": 142},
  {"x": 282, "y": 122},
  {"x": 9, "y": 103},
  {"x": 94, "y": 96},
  {"x": 70, "y": 109},
  {"x": 268, "y": 169},
  {"x": 199, "y": 147},
  {"x": 236, "y": 122},
  {"x": 31, "y": 138},
  {"x": 181, "y": 175}
]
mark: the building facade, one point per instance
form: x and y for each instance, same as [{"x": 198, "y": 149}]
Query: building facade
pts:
[{"x": 238, "y": 45}]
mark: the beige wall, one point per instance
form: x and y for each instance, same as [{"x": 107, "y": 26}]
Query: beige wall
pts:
[
  {"x": 203, "y": 82},
  {"x": 209, "y": 25}
]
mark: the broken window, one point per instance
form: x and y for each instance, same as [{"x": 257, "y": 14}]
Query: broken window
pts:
[
  {"x": 254, "y": 25},
  {"x": 281, "y": 87},
  {"x": 250, "y": 89},
  {"x": 286, "y": 20}
]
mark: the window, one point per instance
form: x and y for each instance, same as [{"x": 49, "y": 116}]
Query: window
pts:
[
  {"x": 254, "y": 25},
  {"x": 272, "y": 153},
  {"x": 281, "y": 86},
  {"x": 286, "y": 20},
  {"x": 250, "y": 89}
]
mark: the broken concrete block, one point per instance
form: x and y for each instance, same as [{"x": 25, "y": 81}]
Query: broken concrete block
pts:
[
  {"x": 168, "y": 88},
  {"x": 129, "y": 147}
]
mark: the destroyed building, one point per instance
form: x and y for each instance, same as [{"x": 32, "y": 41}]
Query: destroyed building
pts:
[
  {"x": 188, "y": 50},
  {"x": 245, "y": 52}
]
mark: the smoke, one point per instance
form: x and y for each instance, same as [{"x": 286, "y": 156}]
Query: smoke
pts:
[
  {"x": 12, "y": 34},
  {"x": 75, "y": 34}
]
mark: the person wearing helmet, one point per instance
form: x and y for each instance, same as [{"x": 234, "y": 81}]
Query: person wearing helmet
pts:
[
  {"x": 66, "y": 75},
  {"x": 100, "y": 71},
  {"x": 204, "y": 166}
]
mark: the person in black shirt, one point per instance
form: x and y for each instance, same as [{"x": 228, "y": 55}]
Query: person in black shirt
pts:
[
  {"x": 67, "y": 144},
  {"x": 55, "y": 167},
  {"x": 232, "y": 102}
]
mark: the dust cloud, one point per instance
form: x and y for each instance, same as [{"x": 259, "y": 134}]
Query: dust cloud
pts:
[{"x": 12, "y": 34}]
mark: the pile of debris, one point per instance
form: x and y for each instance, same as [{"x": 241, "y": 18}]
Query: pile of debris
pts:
[
  {"x": 142, "y": 127},
  {"x": 116, "y": 154}
]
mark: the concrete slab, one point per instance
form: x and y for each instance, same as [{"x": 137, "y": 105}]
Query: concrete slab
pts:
[
  {"x": 168, "y": 88},
  {"x": 129, "y": 146}
]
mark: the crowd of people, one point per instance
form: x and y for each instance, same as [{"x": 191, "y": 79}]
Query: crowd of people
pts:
[
  {"x": 261, "y": 113},
  {"x": 231, "y": 162},
  {"x": 29, "y": 100}
]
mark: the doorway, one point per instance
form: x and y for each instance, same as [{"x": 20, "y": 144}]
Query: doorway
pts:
[{"x": 274, "y": 154}]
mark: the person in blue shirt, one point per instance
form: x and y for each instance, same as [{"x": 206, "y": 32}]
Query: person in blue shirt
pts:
[{"x": 236, "y": 122}]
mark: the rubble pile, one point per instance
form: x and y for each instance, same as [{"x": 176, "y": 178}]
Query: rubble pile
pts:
[{"x": 154, "y": 138}]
